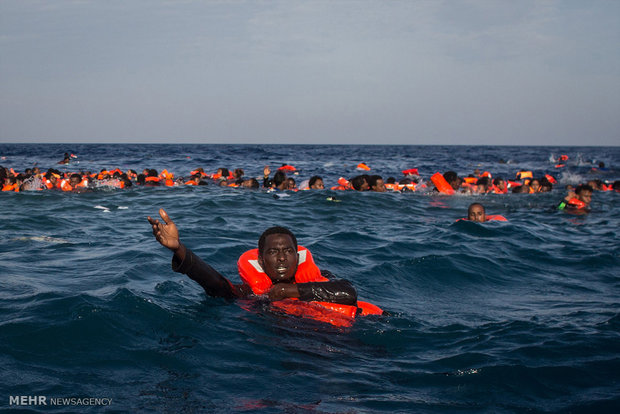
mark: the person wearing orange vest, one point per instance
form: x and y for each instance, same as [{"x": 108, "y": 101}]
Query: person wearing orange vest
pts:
[
  {"x": 499, "y": 186},
  {"x": 577, "y": 201},
  {"x": 376, "y": 184},
  {"x": 277, "y": 258},
  {"x": 477, "y": 213}
]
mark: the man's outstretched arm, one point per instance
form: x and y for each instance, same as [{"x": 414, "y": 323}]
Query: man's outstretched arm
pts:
[{"x": 186, "y": 262}]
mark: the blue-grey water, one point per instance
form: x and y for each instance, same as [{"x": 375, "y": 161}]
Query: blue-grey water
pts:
[{"x": 521, "y": 316}]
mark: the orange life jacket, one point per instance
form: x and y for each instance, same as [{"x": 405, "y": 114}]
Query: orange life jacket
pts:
[
  {"x": 83, "y": 183},
  {"x": 410, "y": 186},
  {"x": 362, "y": 166},
  {"x": 343, "y": 184},
  {"x": 495, "y": 217},
  {"x": 489, "y": 217},
  {"x": 287, "y": 168},
  {"x": 551, "y": 179},
  {"x": 441, "y": 184},
  {"x": 524, "y": 174},
  {"x": 497, "y": 190},
  {"x": 252, "y": 274},
  {"x": 412, "y": 171},
  {"x": 48, "y": 184},
  {"x": 65, "y": 186},
  {"x": 11, "y": 187},
  {"x": 576, "y": 203}
]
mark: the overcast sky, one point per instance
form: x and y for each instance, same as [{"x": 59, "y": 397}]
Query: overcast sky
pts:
[{"x": 341, "y": 72}]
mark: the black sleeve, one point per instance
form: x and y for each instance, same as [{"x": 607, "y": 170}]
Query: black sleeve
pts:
[
  {"x": 337, "y": 291},
  {"x": 266, "y": 181},
  {"x": 210, "y": 279}
]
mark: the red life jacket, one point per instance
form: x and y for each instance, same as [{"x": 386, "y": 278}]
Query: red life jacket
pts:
[
  {"x": 576, "y": 203},
  {"x": 252, "y": 274},
  {"x": 343, "y": 184},
  {"x": 495, "y": 217},
  {"x": 412, "y": 171}
]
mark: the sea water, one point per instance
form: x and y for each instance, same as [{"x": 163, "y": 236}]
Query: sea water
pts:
[{"x": 516, "y": 316}]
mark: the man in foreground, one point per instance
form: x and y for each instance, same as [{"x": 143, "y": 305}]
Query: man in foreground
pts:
[{"x": 277, "y": 257}]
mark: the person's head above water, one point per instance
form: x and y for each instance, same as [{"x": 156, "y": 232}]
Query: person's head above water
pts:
[
  {"x": 316, "y": 183},
  {"x": 476, "y": 212},
  {"x": 279, "y": 180},
  {"x": 277, "y": 254},
  {"x": 584, "y": 193},
  {"x": 453, "y": 179},
  {"x": 360, "y": 182}
]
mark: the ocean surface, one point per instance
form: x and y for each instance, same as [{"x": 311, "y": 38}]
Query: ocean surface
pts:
[{"x": 521, "y": 316}]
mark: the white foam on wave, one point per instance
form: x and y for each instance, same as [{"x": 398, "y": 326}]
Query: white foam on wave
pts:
[
  {"x": 46, "y": 239},
  {"x": 571, "y": 178}
]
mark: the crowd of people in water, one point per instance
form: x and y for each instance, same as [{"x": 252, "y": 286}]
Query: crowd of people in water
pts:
[{"x": 283, "y": 179}]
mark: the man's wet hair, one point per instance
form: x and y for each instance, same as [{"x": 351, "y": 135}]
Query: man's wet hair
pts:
[
  {"x": 583, "y": 187},
  {"x": 238, "y": 173},
  {"x": 596, "y": 184},
  {"x": 254, "y": 183},
  {"x": 473, "y": 205},
  {"x": 279, "y": 177},
  {"x": 372, "y": 180},
  {"x": 485, "y": 181},
  {"x": 274, "y": 230},
  {"x": 357, "y": 181},
  {"x": 497, "y": 180},
  {"x": 313, "y": 180},
  {"x": 450, "y": 176}
]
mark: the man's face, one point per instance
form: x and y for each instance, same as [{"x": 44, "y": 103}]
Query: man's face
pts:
[
  {"x": 279, "y": 258},
  {"x": 318, "y": 185},
  {"x": 455, "y": 184},
  {"x": 476, "y": 213},
  {"x": 585, "y": 196},
  {"x": 379, "y": 187},
  {"x": 364, "y": 186}
]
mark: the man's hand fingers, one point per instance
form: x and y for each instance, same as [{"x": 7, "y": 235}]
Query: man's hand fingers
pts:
[{"x": 164, "y": 216}]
